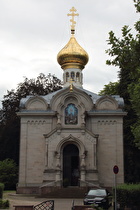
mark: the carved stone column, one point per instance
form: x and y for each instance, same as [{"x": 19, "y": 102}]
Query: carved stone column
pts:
[
  {"x": 58, "y": 170},
  {"x": 46, "y": 156},
  {"x": 83, "y": 170},
  {"x": 95, "y": 154}
]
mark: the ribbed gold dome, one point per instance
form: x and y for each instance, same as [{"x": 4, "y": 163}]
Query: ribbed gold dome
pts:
[{"x": 72, "y": 55}]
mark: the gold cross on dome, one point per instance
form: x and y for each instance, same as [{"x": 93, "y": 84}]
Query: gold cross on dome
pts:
[{"x": 73, "y": 14}]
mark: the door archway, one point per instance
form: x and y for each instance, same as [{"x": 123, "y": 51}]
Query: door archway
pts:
[{"x": 70, "y": 165}]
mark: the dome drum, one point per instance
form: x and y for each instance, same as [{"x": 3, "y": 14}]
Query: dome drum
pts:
[{"x": 71, "y": 65}]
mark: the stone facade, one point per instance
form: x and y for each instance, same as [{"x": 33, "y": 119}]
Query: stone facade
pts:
[{"x": 97, "y": 135}]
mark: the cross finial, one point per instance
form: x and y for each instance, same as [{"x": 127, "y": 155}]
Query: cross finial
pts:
[{"x": 73, "y": 14}]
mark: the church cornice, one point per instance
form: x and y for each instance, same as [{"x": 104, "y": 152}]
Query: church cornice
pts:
[
  {"x": 92, "y": 134},
  {"x": 36, "y": 113},
  {"x": 73, "y": 130},
  {"x": 106, "y": 113},
  {"x": 50, "y": 133}
]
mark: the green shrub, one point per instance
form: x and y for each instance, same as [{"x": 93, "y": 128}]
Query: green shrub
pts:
[
  {"x": 8, "y": 174},
  {"x": 1, "y": 190},
  {"x": 4, "y": 204},
  {"x": 128, "y": 195}
]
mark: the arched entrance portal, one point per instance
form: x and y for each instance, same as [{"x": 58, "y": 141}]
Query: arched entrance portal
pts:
[{"x": 70, "y": 165}]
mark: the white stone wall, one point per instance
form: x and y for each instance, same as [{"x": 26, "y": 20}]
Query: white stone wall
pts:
[
  {"x": 44, "y": 134},
  {"x": 110, "y": 148},
  {"x": 32, "y": 150}
]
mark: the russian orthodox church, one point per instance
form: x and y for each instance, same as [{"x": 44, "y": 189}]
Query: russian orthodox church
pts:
[{"x": 71, "y": 137}]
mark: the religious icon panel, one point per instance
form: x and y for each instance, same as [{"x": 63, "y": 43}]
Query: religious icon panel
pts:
[{"x": 71, "y": 114}]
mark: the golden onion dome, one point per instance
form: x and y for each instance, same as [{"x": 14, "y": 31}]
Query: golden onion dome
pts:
[{"x": 72, "y": 55}]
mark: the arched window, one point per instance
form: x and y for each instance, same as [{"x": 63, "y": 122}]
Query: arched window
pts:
[
  {"x": 72, "y": 75},
  {"x": 78, "y": 77},
  {"x": 71, "y": 114},
  {"x": 67, "y": 77}
]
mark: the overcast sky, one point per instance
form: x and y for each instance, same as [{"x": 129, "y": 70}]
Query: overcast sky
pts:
[{"x": 32, "y": 32}]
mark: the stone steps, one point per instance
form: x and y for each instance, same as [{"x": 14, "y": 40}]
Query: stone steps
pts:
[{"x": 69, "y": 192}]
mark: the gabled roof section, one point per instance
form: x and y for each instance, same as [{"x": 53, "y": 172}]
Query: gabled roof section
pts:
[
  {"x": 77, "y": 95},
  {"x": 90, "y": 98}
]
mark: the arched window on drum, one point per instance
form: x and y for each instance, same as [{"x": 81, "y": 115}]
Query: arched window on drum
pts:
[
  {"x": 78, "y": 77},
  {"x": 72, "y": 75},
  {"x": 67, "y": 77}
]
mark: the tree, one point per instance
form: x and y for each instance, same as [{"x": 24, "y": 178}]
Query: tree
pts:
[
  {"x": 125, "y": 54},
  {"x": 137, "y": 5},
  {"x": 110, "y": 89},
  {"x": 10, "y": 123},
  {"x": 8, "y": 174},
  {"x": 134, "y": 90}
]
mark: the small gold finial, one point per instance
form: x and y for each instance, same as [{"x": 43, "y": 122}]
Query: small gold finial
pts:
[
  {"x": 71, "y": 85},
  {"x": 73, "y": 14}
]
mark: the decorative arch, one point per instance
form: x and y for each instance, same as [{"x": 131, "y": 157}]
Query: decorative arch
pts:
[
  {"x": 82, "y": 99},
  {"x": 71, "y": 139},
  {"x": 71, "y": 151},
  {"x": 106, "y": 103},
  {"x": 36, "y": 103}
]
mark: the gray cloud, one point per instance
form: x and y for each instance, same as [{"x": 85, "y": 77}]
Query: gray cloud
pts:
[{"x": 32, "y": 32}]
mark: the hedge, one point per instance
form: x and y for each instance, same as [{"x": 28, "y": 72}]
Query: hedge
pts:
[
  {"x": 4, "y": 204},
  {"x": 1, "y": 190},
  {"x": 128, "y": 195}
]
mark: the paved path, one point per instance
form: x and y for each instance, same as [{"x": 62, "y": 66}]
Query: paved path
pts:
[{"x": 59, "y": 204}]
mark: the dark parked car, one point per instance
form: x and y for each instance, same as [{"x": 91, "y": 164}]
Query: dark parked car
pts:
[{"x": 98, "y": 197}]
